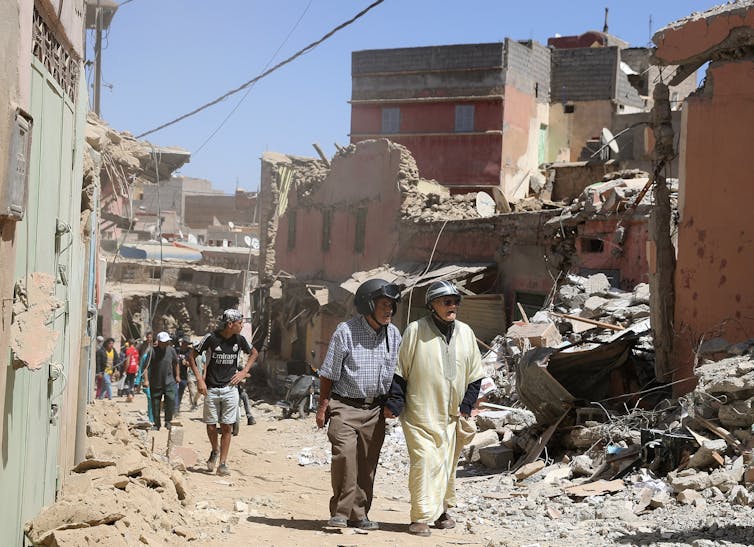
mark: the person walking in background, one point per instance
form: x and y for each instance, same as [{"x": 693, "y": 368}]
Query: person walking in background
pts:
[
  {"x": 219, "y": 384},
  {"x": 161, "y": 373},
  {"x": 354, "y": 380},
  {"x": 105, "y": 364},
  {"x": 434, "y": 388},
  {"x": 184, "y": 348},
  {"x": 131, "y": 367}
]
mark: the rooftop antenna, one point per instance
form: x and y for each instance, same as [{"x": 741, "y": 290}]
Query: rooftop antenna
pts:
[{"x": 604, "y": 28}]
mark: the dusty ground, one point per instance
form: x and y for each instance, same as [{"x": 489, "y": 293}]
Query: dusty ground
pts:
[
  {"x": 287, "y": 502},
  {"x": 279, "y": 489}
]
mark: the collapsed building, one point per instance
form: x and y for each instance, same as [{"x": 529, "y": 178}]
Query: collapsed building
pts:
[{"x": 151, "y": 276}]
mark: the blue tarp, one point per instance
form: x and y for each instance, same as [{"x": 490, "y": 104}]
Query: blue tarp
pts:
[{"x": 152, "y": 252}]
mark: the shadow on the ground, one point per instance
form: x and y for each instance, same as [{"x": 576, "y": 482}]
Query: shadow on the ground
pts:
[
  {"x": 731, "y": 533},
  {"x": 309, "y": 524}
]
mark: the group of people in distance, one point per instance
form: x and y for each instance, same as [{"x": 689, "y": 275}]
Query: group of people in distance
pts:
[
  {"x": 165, "y": 375},
  {"x": 429, "y": 378}
]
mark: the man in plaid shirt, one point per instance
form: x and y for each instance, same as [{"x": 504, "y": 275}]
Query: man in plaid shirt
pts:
[{"x": 355, "y": 378}]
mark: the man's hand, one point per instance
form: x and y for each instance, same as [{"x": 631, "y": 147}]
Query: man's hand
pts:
[
  {"x": 201, "y": 386},
  {"x": 239, "y": 377},
  {"x": 388, "y": 413},
  {"x": 322, "y": 415}
]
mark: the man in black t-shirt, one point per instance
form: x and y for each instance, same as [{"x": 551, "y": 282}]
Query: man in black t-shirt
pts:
[{"x": 219, "y": 383}]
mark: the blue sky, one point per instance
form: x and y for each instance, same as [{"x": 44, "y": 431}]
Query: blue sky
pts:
[{"x": 163, "y": 58}]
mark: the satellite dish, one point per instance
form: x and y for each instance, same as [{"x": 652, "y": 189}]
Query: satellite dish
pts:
[
  {"x": 247, "y": 240},
  {"x": 231, "y": 225},
  {"x": 255, "y": 243},
  {"x": 485, "y": 205},
  {"x": 609, "y": 140}
]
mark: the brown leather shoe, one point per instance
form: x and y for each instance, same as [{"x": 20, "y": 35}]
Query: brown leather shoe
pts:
[
  {"x": 419, "y": 529},
  {"x": 445, "y": 522}
]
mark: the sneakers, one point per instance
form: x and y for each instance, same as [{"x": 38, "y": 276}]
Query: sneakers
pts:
[
  {"x": 250, "y": 420},
  {"x": 337, "y": 522},
  {"x": 419, "y": 529},
  {"x": 222, "y": 470},
  {"x": 212, "y": 461},
  {"x": 445, "y": 522},
  {"x": 366, "y": 524}
]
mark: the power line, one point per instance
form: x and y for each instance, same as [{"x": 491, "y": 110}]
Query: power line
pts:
[
  {"x": 222, "y": 123},
  {"x": 266, "y": 72}
]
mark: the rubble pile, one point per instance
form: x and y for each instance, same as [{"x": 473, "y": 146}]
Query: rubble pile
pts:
[
  {"x": 431, "y": 207},
  {"x": 120, "y": 494},
  {"x": 726, "y": 389}
]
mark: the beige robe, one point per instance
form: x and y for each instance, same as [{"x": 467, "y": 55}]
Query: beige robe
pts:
[{"x": 437, "y": 375}]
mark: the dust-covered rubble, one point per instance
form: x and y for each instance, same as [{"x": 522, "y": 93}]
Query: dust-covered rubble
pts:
[{"x": 121, "y": 493}]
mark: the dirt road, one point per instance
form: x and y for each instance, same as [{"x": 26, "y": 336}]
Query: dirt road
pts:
[{"x": 279, "y": 489}]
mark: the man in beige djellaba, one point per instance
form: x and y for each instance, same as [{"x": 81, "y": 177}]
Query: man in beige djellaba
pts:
[{"x": 435, "y": 386}]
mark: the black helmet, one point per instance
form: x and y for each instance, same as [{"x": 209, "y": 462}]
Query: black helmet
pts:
[
  {"x": 438, "y": 289},
  {"x": 374, "y": 288}
]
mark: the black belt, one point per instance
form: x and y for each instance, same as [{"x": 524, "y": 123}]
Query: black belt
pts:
[{"x": 368, "y": 402}]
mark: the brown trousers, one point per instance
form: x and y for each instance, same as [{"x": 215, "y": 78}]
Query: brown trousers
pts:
[{"x": 356, "y": 436}]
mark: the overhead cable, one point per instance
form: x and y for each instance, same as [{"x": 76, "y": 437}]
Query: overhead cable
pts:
[
  {"x": 265, "y": 73},
  {"x": 241, "y": 100}
]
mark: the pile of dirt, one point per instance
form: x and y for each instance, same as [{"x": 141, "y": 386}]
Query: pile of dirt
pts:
[{"x": 120, "y": 494}]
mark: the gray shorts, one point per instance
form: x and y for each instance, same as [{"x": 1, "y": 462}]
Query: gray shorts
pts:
[{"x": 221, "y": 405}]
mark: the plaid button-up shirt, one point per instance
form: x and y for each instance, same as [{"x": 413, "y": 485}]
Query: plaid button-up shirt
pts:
[{"x": 359, "y": 361}]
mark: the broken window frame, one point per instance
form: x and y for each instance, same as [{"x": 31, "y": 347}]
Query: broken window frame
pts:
[
  {"x": 391, "y": 119},
  {"x": 360, "y": 235},
  {"x": 327, "y": 215},
  {"x": 291, "y": 230},
  {"x": 464, "y": 118}
]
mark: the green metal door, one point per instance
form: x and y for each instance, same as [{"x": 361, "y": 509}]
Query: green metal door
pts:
[{"x": 30, "y": 447}]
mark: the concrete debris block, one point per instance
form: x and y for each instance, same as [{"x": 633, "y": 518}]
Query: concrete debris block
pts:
[
  {"x": 77, "y": 484},
  {"x": 553, "y": 512},
  {"x": 529, "y": 469},
  {"x": 541, "y": 335},
  {"x": 737, "y": 413},
  {"x": 713, "y": 346},
  {"x": 182, "y": 531},
  {"x": 571, "y": 297},
  {"x": 582, "y": 466},
  {"x": 644, "y": 501},
  {"x": 597, "y": 283},
  {"x": 153, "y": 478},
  {"x": 637, "y": 312},
  {"x": 688, "y": 496},
  {"x": 241, "y": 506},
  {"x": 616, "y": 509},
  {"x": 496, "y": 457},
  {"x": 582, "y": 437},
  {"x": 739, "y": 495},
  {"x": 728, "y": 376},
  {"x": 723, "y": 479},
  {"x": 558, "y": 474},
  {"x": 593, "y": 306},
  {"x": 98, "y": 535},
  {"x": 742, "y": 348},
  {"x": 131, "y": 463},
  {"x": 500, "y": 420},
  {"x": 640, "y": 294},
  {"x": 737, "y": 469},
  {"x": 689, "y": 478},
  {"x": 616, "y": 305},
  {"x": 81, "y": 513},
  {"x": 659, "y": 499},
  {"x": 709, "y": 454},
  {"x": 180, "y": 485},
  {"x": 470, "y": 452}
]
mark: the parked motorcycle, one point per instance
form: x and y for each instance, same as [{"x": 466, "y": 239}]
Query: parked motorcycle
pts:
[{"x": 301, "y": 395}]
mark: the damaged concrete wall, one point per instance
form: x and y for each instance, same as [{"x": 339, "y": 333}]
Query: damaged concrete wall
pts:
[
  {"x": 357, "y": 204},
  {"x": 714, "y": 294}
]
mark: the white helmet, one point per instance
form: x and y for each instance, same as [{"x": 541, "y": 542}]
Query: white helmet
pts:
[{"x": 438, "y": 289}]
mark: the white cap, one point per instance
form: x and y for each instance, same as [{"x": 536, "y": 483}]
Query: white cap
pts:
[{"x": 163, "y": 337}]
